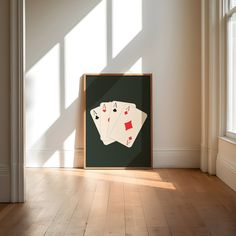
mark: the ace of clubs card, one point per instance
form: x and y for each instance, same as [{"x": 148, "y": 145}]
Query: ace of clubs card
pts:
[{"x": 116, "y": 108}]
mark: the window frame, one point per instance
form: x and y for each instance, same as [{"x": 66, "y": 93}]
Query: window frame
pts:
[{"x": 229, "y": 13}]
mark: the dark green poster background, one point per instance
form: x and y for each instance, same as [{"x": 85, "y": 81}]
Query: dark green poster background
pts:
[{"x": 133, "y": 89}]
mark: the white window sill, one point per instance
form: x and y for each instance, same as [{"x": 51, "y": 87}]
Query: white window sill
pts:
[{"x": 229, "y": 140}]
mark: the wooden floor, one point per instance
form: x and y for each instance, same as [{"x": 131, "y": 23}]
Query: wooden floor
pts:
[{"x": 121, "y": 202}]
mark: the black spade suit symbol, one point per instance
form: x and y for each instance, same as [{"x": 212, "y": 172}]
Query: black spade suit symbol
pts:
[
  {"x": 115, "y": 110},
  {"x": 96, "y": 117}
]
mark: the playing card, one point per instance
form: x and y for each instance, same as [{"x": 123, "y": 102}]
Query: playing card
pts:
[
  {"x": 128, "y": 126},
  {"x": 95, "y": 113},
  {"x": 105, "y": 108},
  {"x": 116, "y": 109}
]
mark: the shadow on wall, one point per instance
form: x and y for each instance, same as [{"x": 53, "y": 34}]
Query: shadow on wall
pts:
[{"x": 65, "y": 39}]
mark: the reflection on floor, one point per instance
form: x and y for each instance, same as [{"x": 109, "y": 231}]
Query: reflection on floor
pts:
[{"x": 121, "y": 202}]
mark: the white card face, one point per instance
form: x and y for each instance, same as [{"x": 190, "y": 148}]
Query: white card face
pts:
[
  {"x": 95, "y": 113},
  {"x": 105, "y": 108},
  {"x": 116, "y": 109},
  {"x": 128, "y": 126}
]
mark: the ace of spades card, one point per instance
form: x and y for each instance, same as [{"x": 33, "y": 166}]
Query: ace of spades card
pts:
[{"x": 95, "y": 114}]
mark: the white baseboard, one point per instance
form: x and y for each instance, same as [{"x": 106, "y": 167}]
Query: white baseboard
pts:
[
  {"x": 4, "y": 170},
  {"x": 4, "y": 183},
  {"x": 184, "y": 158},
  {"x": 58, "y": 158},
  {"x": 226, "y": 171}
]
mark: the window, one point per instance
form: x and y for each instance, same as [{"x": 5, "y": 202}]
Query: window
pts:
[
  {"x": 232, "y": 3},
  {"x": 231, "y": 68}
]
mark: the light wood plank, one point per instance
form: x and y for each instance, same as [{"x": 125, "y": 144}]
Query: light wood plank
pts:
[{"x": 121, "y": 202}]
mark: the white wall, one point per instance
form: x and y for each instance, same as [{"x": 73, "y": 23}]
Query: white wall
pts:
[
  {"x": 4, "y": 101},
  {"x": 226, "y": 162},
  {"x": 65, "y": 39}
]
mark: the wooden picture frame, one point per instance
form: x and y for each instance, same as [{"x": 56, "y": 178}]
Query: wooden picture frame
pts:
[{"x": 133, "y": 88}]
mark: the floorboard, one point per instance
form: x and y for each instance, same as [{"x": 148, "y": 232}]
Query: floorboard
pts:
[{"x": 165, "y": 202}]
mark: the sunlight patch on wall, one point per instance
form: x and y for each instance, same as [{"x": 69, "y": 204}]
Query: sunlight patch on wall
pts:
[
  {"x": 137, "y": 67},
  {"x": 85, "y": 50},
  {"x": 61, "y": 158},
  {"x": 69, "y": 143},
  {"x": 42, "y": 95},
  {"x": 127, "y": 23},
  {"x": 53, "y": 160}
]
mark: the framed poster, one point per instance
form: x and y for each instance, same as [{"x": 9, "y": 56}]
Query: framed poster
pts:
[{"x": 118, "y": 120}]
